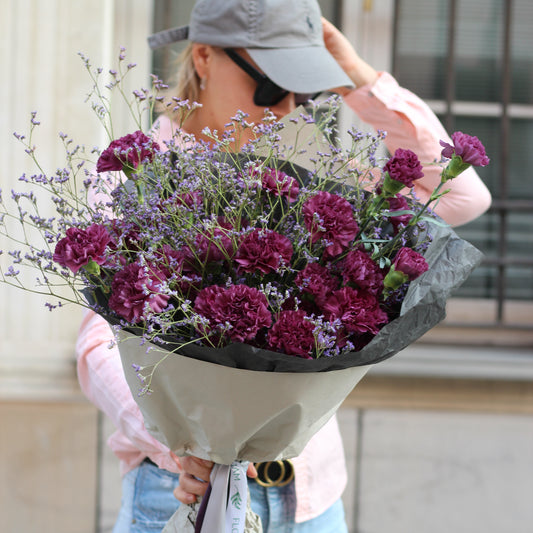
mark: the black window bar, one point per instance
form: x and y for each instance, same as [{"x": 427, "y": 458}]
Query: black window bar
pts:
[{"x": 503, "y": 204}]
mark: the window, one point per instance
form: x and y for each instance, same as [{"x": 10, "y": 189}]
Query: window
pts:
[{"x": 471, "y": 60}]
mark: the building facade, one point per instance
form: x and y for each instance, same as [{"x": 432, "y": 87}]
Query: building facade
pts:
[{"x": 439, "y": 438}]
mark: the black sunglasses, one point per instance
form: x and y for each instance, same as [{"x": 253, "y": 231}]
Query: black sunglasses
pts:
[{"x": 267, "y": 92}]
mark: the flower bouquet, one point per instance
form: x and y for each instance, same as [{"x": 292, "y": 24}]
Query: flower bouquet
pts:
[{"x": 251, "y": 291}]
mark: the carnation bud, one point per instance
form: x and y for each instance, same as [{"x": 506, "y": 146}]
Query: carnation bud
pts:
[
  {"x": 92, "y": 268},
  {"x": 466, "y": 150},
  {"x": 395, "y": 279},
  {"x": 391, "y": 187},
  {"x": 410, "y": 263},
  {"x": 454, "y": 168}
]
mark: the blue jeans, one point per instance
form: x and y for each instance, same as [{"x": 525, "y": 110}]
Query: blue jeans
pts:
[
  {"x": 276, "y": 507},
  {"x": 147, "y": 500},
  {"x": 148, "y": 503}
]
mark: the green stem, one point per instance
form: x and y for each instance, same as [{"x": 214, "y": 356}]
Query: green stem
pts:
[
  {"x": 374, "y": 208},
  {"x": 414, "y": 220}
]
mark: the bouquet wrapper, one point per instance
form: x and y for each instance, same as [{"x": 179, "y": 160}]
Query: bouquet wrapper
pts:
[
  {"x": 240, "y": 403},
  {"x": 229, "y": 414}
]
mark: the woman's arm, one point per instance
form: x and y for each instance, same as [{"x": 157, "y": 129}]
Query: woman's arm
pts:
[{"x": 410, "y": 124}]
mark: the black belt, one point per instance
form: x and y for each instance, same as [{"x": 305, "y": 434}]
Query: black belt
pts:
[
  {"x": 269, "y": 474},
  {"x": 274, "y": 473}
]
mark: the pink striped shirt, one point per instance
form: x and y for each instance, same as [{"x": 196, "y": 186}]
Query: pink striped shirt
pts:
[{"x": 320, "y": 469}]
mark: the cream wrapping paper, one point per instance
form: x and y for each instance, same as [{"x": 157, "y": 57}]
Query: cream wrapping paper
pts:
[{"x": 229, "y": 414}]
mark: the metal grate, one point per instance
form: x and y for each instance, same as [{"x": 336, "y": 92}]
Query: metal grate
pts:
[{"x": 496, "y": 234}]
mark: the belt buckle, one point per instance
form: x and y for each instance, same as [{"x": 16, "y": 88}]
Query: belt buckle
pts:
[{"x": 274, "y": 473}]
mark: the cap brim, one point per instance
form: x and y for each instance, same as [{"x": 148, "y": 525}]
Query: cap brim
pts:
[
  {"x": 301, "y": 70},
  {"x": 157, "y": 40}
]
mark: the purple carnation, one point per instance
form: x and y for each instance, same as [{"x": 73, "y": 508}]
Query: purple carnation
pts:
[
  {"x": 214, "y": 244},
  {"x": 264, "y": 251},
  {"x": 292, "y": 334},
  {"x": 80, "y": 246},
  {"x": 170, "y": 261},
  {"x": 244, "y": 309},
  {"x": 279, "y": 184},
  {"x": 399, "y": 203},
  {"x": 358, "y": 311},
  {"x": 128, "y": 151},
  {"x": 469, "y": 148},
  {"x": 316, "y": 280},
  {"x": 410, "y": 263},
  {"x": 174, "y": 264},
  {"x": 136, "y": 290},
  {"x": 403, "y": 168},
  {"x": 191, "y": 199},
  {"x": 330, "y": 217},
  {"x": 359, "y": 269},
  {"x": 126, "y": 234}
]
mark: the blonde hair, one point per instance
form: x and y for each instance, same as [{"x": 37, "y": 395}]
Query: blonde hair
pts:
[{"x": 186, "y": 84}]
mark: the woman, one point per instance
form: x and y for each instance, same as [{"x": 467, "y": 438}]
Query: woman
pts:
[{"x": 248, "y": 55}]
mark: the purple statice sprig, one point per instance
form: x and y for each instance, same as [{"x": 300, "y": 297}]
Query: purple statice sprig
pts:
[{"x": 326, "y": 334}]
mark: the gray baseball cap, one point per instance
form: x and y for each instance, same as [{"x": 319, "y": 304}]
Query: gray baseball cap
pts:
[{"x": 283, "y": 37}]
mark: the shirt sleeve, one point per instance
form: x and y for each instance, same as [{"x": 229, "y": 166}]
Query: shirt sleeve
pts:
[
  {"x": 102, "y": 380},
  {"x": 410, "y": 124}
]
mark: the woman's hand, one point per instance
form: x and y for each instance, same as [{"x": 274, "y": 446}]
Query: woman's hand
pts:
[
  {"x": 360, "y": 72},
  {"x": 194, "y": 478}
]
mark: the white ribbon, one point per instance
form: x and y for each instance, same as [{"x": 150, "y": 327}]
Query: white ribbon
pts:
[
  {"x": 237, "y": 496},
  {"x": 226, "y": 508}
]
